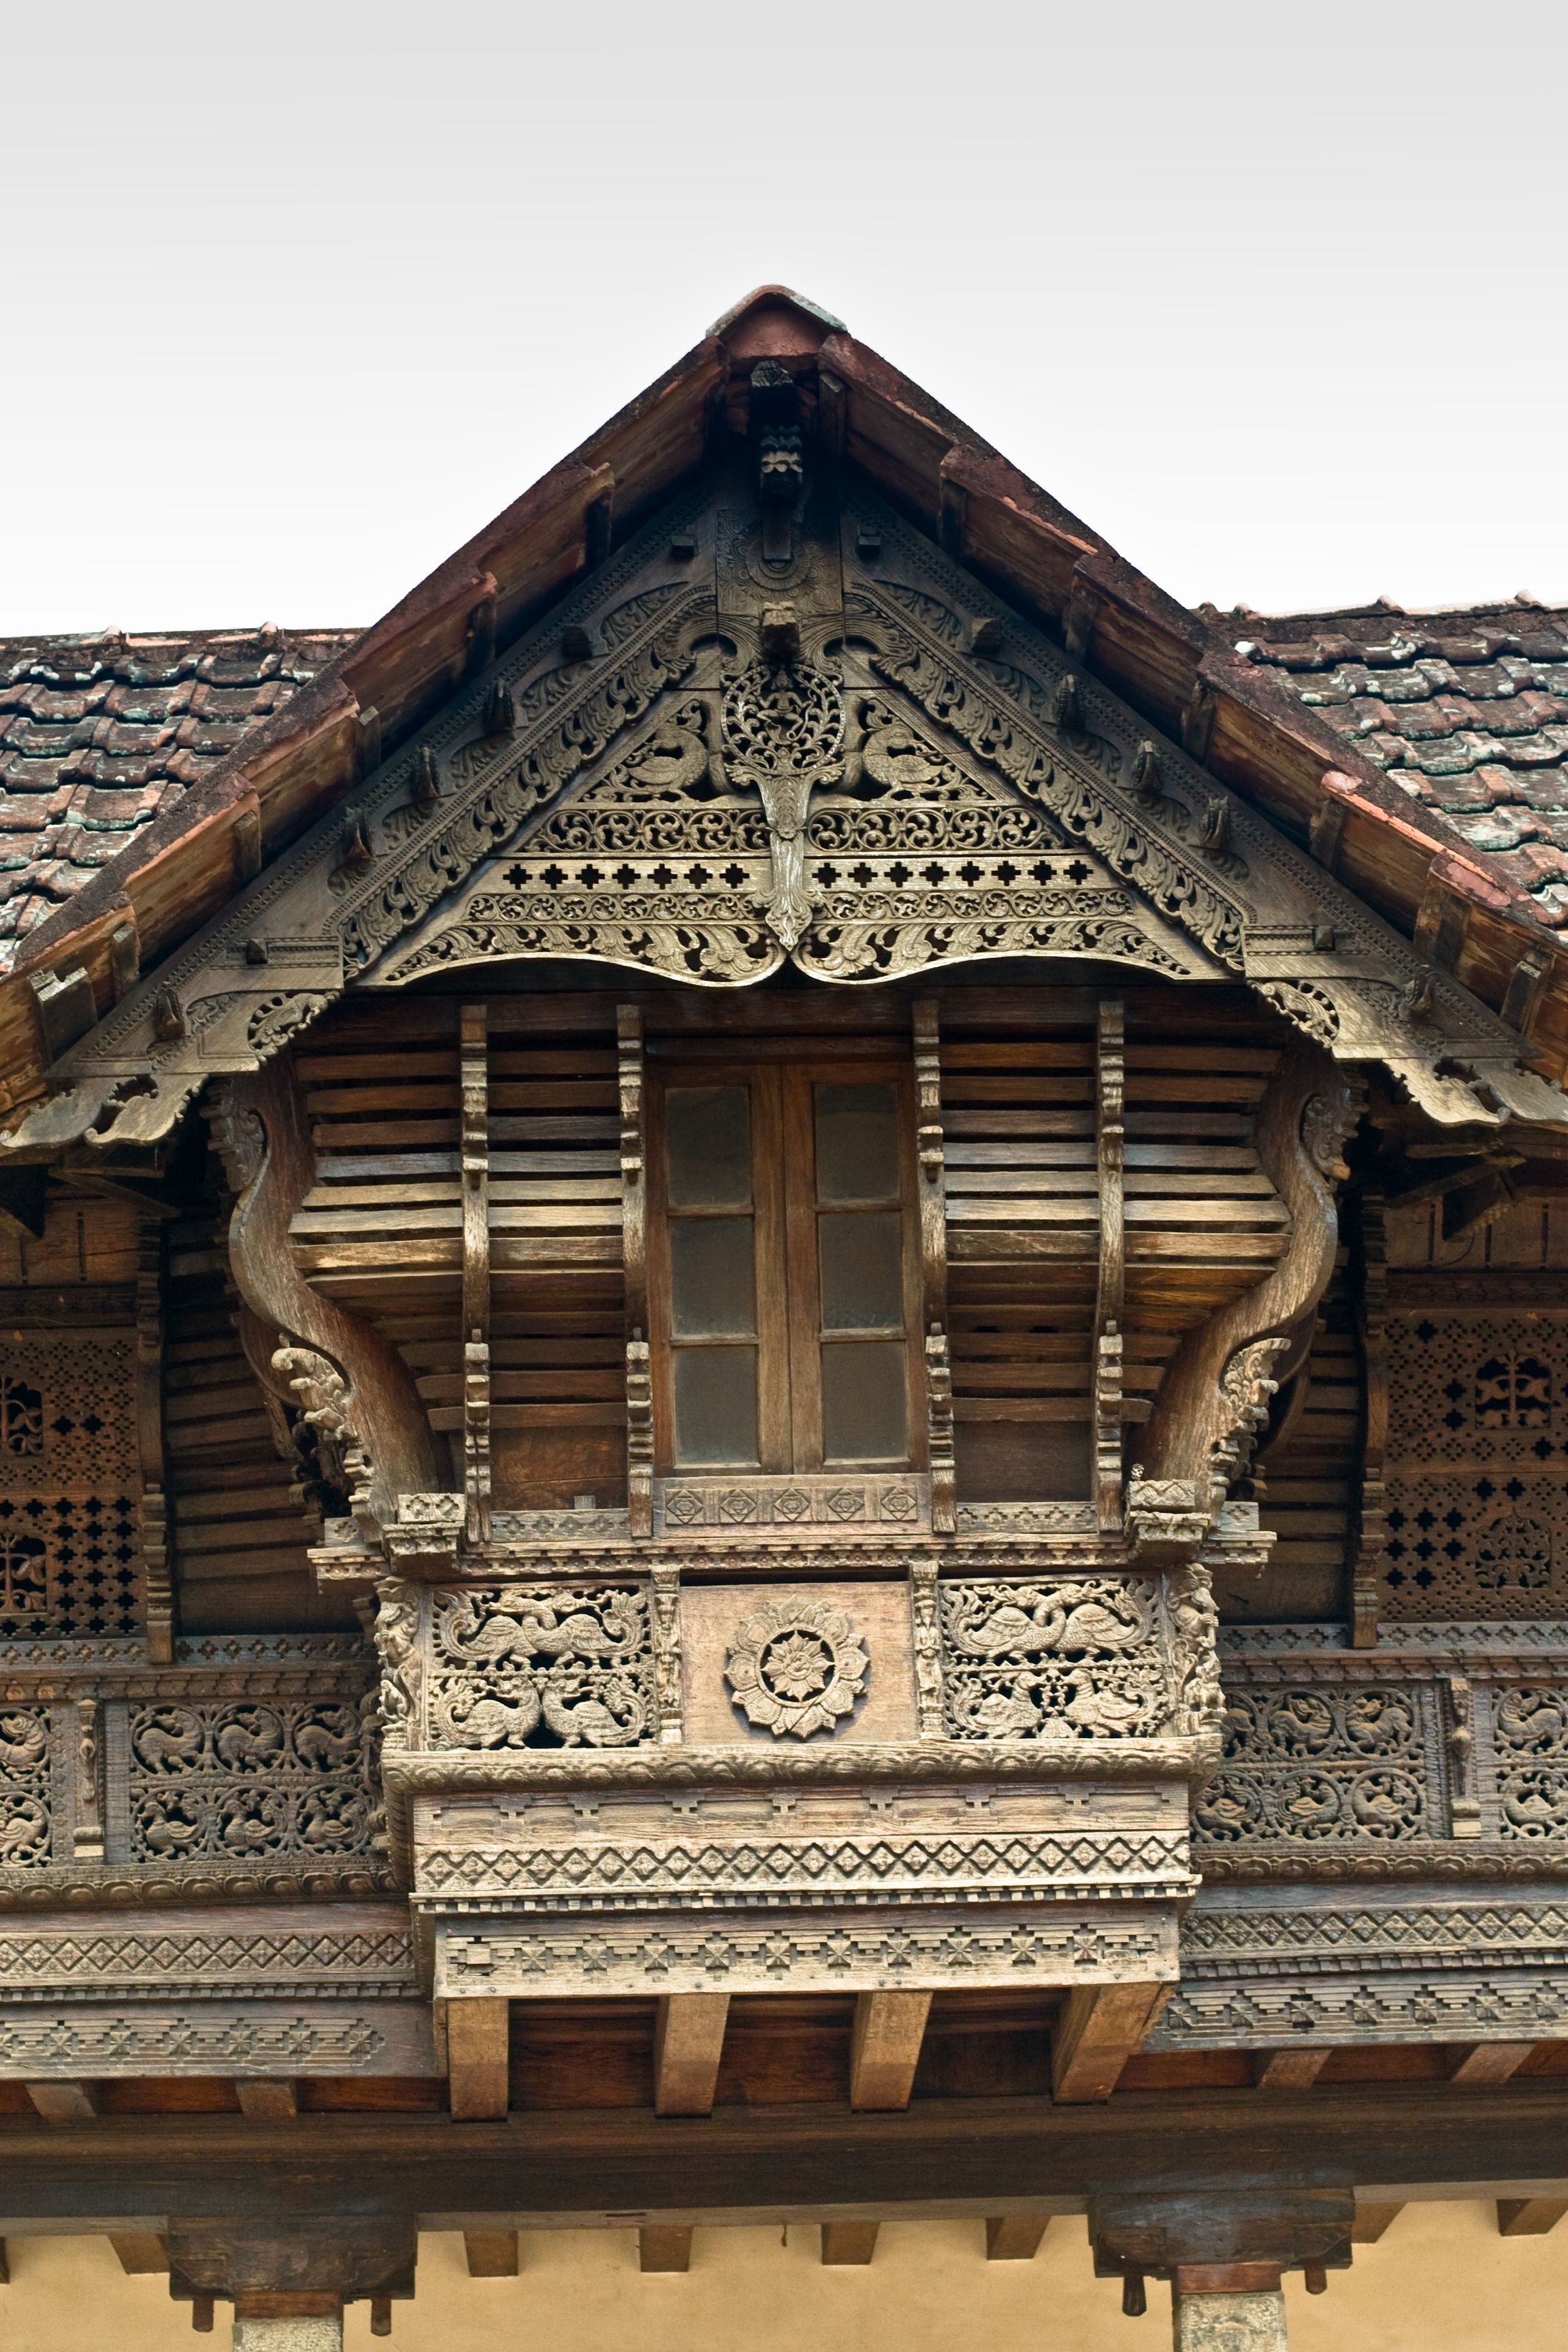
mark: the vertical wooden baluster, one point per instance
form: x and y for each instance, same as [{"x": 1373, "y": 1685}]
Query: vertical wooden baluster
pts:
[
  {"x": 1106, "y": 1363},
  {"x": 932, "y": 1196},
  {"x": 1367, "y": 1560},
  {"x": 476, "y": 1271},
  {"x": 150, "y": 1443},
  {"x": 634, "y": 1262}
]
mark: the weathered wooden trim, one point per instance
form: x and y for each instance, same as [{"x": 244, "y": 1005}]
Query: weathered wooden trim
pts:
[
  {"x": 664, "y": 2247},
  {"x": 848, "y": 2245},
  {"x": 1015, "y": 2237},
  {"x": 491, "y": 2253}
]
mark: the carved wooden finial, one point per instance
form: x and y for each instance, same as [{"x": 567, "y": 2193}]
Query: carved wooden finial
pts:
[
  {"x": 986, "y": 637},
  {"x": 355, "y": 853},
  {"x": 1216, "y": 829},
  {"x": 501, "y": 712},
  {"x": 1146, "y": 772},
  {"x": 168, "y": 1016},
  {"x": 1064, "y": 709},
  {"x": 575, "y": 645},
  {"x": 424, "y": 787}
]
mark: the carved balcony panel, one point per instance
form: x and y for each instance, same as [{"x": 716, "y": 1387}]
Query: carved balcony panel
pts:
[
  {"x": 246, "y": 1765},
  {"x": 679, "y": 1780}
]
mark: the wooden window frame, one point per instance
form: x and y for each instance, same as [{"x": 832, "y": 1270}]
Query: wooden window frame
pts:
[{"x": 785, "y": 1206}]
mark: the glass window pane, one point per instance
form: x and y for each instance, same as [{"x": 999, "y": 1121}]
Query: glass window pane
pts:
[
  {"x": 862, "y": 1271},
  {"x": 708, "y": 1147},
  {"x": 857, "y": 1143},
  {"x": 716, "y": 1406},
  {"x": 712, "y": 1276},
  {"x": 864, "y": 1414}
]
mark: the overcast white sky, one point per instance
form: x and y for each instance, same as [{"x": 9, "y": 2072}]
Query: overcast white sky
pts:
[{"x": 301, "y": 295}]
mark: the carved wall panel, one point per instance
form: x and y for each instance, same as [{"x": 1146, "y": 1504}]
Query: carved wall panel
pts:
[
  {"x": 1477, "y": 1477},
  {"x": 537, "y": 1667},
  {"x": 70, "y": 1565},
  {"x": 248, "y": 1780},
  {"x": 1061, "y": 1660},
  {"x": 1325, "y": 1763}
]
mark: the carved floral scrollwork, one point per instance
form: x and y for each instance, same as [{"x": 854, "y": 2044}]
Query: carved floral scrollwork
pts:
[
  {"x": 534, "y": 1668},
  {"x": 1075, "y": 1659},
  {"x": 796, "y": 1667}
]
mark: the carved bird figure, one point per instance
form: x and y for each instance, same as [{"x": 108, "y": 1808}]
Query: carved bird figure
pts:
[
  {"x": 590, "y": 1720},
  {"x": 496, "y": 1722},
  {"x": 1105, "y": 1711}
]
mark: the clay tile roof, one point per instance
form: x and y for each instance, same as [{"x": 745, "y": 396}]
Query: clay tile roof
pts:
[
  {"x": 1467, "y": 712},
  {"x": 99, "y": 733}
]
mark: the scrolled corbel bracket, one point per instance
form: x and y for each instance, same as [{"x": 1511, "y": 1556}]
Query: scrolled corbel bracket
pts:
[{"x": 1215, "y": 1397}]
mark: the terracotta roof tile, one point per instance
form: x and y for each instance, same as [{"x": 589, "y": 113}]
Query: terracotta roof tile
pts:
[
  {"x": 1465, "y": 711},
  {"x": 98, "y": 733}
]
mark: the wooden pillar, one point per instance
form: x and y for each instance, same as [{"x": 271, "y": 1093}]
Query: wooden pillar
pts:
[
  {"x": 634, "y": 1267},
  {"x": 1110, "y": 1305},
  {"x": 475, "y": 1074},
  {"x": 150, "y": 1442},
  {"x": 1228, "y": 2307},
  {"x": 288, "y": 2323},
  {"x": 932, "y": 1180}
]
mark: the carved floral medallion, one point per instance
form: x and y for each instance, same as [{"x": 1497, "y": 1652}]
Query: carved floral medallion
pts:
[{"x": 796, "y": 1667}]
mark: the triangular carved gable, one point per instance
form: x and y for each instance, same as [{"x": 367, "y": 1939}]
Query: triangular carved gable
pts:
[{"x": 713, "y": 757}]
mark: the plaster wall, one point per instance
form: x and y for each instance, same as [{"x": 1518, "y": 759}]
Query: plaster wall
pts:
[{"x": 1441, "y": 2277}]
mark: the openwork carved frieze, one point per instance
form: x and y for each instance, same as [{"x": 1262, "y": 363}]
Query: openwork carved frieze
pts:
[
  {"x": 790, "y": 1505},
  {"x": 796, "y": 1667},
  {"x": 520, "y": 1667},
  {"x": 1077, "y": 1659},
  {"x": 1321, "y": 1762},
  {"x": 248, "y": 1780},
  {"x": 1528, "y": 1727}
]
